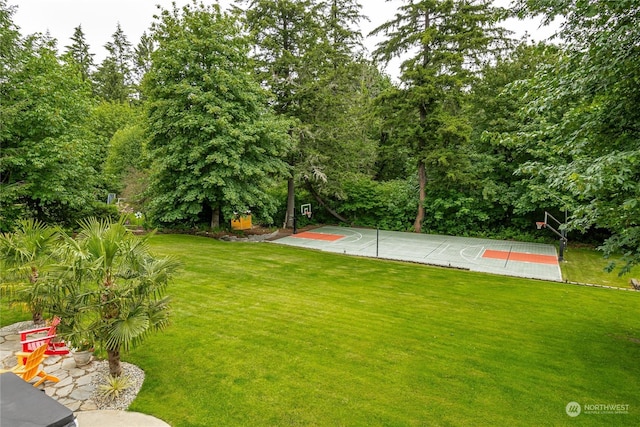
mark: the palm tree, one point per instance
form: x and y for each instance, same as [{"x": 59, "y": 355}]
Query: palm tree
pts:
[
  {"x": 27, "y": 264},
  {"x": 119, "y": 287}
]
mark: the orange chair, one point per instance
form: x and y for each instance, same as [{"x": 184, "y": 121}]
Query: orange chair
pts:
[
  {"x": 28, "y": 366},
  {"x": 33, "y": 338}
]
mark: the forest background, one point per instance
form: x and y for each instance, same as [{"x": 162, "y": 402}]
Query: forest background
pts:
[{"x": 269, "y": 105}]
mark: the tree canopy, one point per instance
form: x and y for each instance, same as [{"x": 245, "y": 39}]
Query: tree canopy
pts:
[
  {"x": 46, "y": 156},
  {"x": 444, "y": 43},
  {"x": 582, "y": 115},
  {"x": 217, "y": 143},
  {"x": 214, "y": 113}
]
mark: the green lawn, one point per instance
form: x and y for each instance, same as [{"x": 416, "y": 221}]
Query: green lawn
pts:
[
  {"x": 584, "y": 265},
  {"x": 268, "y": 335}
]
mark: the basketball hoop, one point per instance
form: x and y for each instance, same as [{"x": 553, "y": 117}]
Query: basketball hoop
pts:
[
  {"x": 540, "y": 224},
  {"x": 306, "y": 210}
]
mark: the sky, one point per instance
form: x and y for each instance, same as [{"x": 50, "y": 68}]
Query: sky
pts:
[{"x": 99, "y": 19}]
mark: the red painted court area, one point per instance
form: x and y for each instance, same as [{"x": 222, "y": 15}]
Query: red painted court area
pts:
[
  {"x": 520, "y": 256},
  {"x": 318, "y": 236}
]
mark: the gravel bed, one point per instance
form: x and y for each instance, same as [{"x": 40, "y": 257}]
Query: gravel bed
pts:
[{"x": 136, "y": 378}]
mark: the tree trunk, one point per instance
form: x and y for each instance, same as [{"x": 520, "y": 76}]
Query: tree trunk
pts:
[
  {"x": 36, "y": 314},
  {"x": 115, "y": 369},
  {"x": 215, "y": 217},
  {"x": 291, "y": 203},
  {"x": 422, "y": 178},
  {"x": 422, "y": 174},
  {"x": 37, "y": 318},
  {"x": 321, "y": 202}
]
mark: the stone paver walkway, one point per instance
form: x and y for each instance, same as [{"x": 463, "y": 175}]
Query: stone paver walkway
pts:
[{"x": 76, "y": 385}]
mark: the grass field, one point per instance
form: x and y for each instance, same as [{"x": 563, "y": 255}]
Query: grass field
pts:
[
  {"x": 268, "y": 335},
  {"x": 584, "y": 265}
]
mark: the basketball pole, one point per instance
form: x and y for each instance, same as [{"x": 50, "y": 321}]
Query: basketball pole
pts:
[
  {"x": 295, "y": 221},
  {"x": 377, "y": 240},
  {"x": 561, "y": 232}
]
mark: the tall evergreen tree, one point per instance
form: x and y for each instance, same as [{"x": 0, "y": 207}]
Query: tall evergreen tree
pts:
[
  {"x": 79, "y": 52},
  {"x": 284, "y": 33},
  {"x": 142, "y": 59},
  {"x": 307, "y": 54},
  {"x": 445, "y": 41},
  {"x": 120, "y": 50},
  {"x": 341, "y": 18},
  {"x": 114, "y": 78},
  {"x": 339, "y": 87}
]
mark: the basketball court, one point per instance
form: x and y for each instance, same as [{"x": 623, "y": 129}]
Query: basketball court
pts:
[{"x": 529, "y": 260}]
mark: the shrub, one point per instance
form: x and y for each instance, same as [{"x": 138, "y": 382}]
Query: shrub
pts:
[{"x": 114, "y": 386}]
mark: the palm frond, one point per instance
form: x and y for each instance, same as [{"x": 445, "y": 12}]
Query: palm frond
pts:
[{"x": 128, "y": 331}]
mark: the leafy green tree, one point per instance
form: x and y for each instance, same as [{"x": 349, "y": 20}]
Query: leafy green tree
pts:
[
  {"x": 46, "y": 158},
  {"x": 127, "y": 152},
  {"x": 11, "y": 51},
  {"x": 120, "y": 131},
  {"x": 114, "y": 287},
  {"x": 216, "y": 144},
  {"x": 10, "y": 43},
  {"x": 584, "y": 120},
  {"x": 445, "y": 43},
  {"x": 494, "y": 103},
  {"x": 27, "y": 266},
  {"x": 105, "y": 121}
]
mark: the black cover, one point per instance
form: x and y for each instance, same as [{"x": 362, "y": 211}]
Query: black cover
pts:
[{"x": 23, "y": 405}]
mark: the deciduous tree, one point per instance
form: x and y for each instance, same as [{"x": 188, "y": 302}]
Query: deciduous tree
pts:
[
  {"x": 46, "y": 161},
  {"x": 584, "y": 114},
  {"x": 216, "y": 144},
  {"x": 510, "y": 200}
]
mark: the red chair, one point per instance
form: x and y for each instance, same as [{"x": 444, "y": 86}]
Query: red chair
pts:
[{"x": 34, "y": 338}]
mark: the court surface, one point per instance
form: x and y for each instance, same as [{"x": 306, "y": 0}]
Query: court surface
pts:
[{"x": 530, "y": 260}]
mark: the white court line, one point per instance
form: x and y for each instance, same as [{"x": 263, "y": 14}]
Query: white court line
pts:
[
  {"x": 348, "y": 239},
  {"x": 443, "y": 249},
  {"x": 434, "y": 249},
  {"x": 350, "y": 236},
  {"x": 473, "y": 260}
]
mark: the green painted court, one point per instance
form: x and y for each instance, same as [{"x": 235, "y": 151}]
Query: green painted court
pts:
[{"x": 509, "y": 258}]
